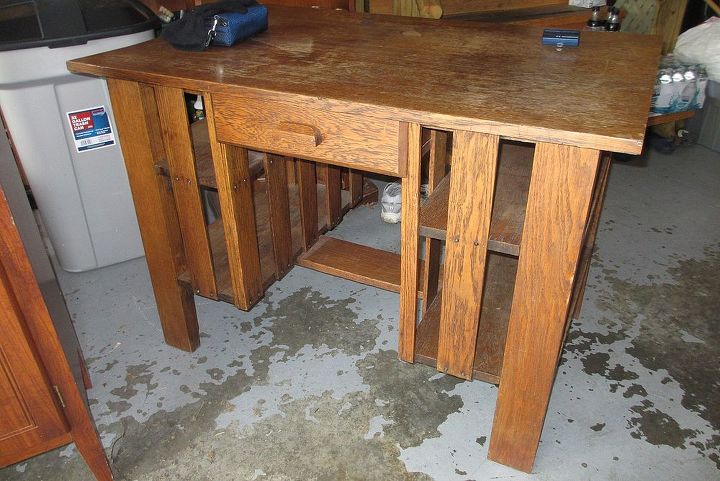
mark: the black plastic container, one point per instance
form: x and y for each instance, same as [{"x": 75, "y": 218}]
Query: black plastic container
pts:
[{"x": 62, "y": 23}]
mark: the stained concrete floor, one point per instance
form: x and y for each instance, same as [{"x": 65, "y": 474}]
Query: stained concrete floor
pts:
[{"x": 307, "y": 386}]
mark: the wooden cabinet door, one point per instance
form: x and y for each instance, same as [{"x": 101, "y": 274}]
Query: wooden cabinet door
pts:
[{"x": 30, "y": 418}]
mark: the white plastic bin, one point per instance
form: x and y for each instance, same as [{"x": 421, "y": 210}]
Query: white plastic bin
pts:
[{"x": 83, "y": 196}]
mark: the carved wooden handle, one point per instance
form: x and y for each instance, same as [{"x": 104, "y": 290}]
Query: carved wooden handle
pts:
[{"x": 301, "y": 132}]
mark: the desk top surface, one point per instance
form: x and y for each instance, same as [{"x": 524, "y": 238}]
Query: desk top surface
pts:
[{"x": 454, "y": 75}]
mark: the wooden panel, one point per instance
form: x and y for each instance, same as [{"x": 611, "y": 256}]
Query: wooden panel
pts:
[
  {"x": 410, "y": 156},
  {"x": 356, "y": 187},
  {"x": 494, "y": 316},
  {"x": 667, "y": 118},
  {"x": 236, "y": 204},
  {"x": 299, "y": 129},
  {"x": 359, "y": 263},
  {"x": 203, "y": 158},
  {"x": 310, "y": 3},
  {"x": 32, "y": 360},
  {"x": 264, "y": 240},
  {"x": 186, "y": 189},
  {"x": 589, "y": 242},
  {"x": 333, "y": 194},
  {"x": 307, "y": 188},
  {"x": 557, "y": 212},
  {"x": 668, "y": 22},
  {"x": 279, "y": 203},
  {"x": 508, "y": 207},
  {"x": 474, "y": 163},
  {"x": 453, "y": 7},
  {"x": 155, "y": 210},
  {"x": 437, "y": 164},
  {"x": 29, "y": 411},
  {"x": 314, "y": 59}
]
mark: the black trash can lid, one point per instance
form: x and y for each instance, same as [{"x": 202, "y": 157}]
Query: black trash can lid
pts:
[{"x": 63, "y": 23}]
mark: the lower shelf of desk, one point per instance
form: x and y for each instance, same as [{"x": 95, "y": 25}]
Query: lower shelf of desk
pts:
[
  {"x": 216, "y": 235},
  {"x": 356, "y": 262},
  {"x": 490, "y": 344}
]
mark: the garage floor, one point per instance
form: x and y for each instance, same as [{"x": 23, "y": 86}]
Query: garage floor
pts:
[{"x": 307, "y": 385}]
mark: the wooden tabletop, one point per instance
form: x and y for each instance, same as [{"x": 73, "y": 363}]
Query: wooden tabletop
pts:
[{"x": 446, "y": 74}]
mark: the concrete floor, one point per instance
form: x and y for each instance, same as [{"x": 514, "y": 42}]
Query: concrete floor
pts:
[{"x": 307, "y": 386}]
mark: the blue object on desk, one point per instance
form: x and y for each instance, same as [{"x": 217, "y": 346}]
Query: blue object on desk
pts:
[
  {"x": 233, "y": 27},
  {"x": 559, "y": 37}
]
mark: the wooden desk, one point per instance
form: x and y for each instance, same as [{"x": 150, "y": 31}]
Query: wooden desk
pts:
[{"x": 353, "y": 90}]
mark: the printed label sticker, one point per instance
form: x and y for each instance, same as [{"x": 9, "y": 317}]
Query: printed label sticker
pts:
[{"x": 91, "y": 128}]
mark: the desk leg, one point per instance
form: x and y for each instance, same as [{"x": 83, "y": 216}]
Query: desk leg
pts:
[
  {"x": 558, "y": 207},
  {"x": 409, "y": 239},
  {"x": 137, "y": 120}
]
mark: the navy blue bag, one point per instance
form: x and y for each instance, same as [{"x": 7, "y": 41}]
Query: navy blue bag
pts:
[
  {"x": 225, "y": 22},
  {"x": 232, "y": 27}
]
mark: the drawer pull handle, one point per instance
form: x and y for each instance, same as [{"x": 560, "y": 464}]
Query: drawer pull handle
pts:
[{"x": 301, "y": 132}]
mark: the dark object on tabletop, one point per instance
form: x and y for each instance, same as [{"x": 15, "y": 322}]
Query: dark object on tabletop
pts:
[
  {"x": 559, "y": 37},
  {"x": 230, "y": 21}
]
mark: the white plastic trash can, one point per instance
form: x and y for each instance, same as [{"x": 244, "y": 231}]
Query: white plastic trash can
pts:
[{"x": 61, "y": 124}]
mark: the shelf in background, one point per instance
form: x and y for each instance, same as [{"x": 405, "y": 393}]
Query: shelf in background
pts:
[
  {"x": 356, "y": 262},
  {"x": 508, "y": 215},
  {"x": 492, "y": 330}
]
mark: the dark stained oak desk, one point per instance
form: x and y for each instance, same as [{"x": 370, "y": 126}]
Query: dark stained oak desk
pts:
[{"x": 530, "y": 130}]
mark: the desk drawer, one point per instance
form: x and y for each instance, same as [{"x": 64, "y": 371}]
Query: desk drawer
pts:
[{"x": 309, "y": 131}]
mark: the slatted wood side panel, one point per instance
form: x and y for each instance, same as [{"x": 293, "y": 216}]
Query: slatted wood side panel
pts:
[
  {"x": 474, "y": 164},
  {"x": 234, "y": 183},
  {"x": 186, "y": 188}
]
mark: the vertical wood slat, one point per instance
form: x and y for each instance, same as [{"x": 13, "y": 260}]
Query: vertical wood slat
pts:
[
  {"x": 181, "y": 160},
  {"x": 433, "y": 247},
  {"x": 333, "y": 193},
  {"x": 155, "y": 209},
  {"x": 557, "y": 211},
  {"x": 307, "y": 190},
  {"x": 279, "y": 203},
  {"x": 234, "y": 184},
  {"x": 356, "y": 187},
  {"x": 410, "y": 156},
  {"x": 474, "y": 164},
  {"x": 589, "y": 239}
]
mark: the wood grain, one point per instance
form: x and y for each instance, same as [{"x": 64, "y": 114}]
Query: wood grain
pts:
[
  {"x": 437, "y": 166},
  {"x": 236, "y": 205},
  {"x": 333, "y": 194},
  {"x": 492, "y": 330},
  {"x": 589, "y": 239},
  {"x": 410, "y": 152},
  {"x": 279, "y": 203},
  {"x": 33, "y": 363},
  {"x": 355, "y": 179},
  {"x": 474, "y": 164},
  {"x": 557, "y": 211},
  {"x": 317, "y": 58},
  {"x": 155, "y": 208},
  {"x": 299, "y": 129},
  {"x": 203, "y": 158},
  {"x": 513, "y": 181},
  {"x": 356, "y": 262},
  {"x": 186, "y": 189},
  {"x": 307, "y": 189}
]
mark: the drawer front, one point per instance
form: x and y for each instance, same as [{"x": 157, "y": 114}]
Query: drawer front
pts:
[{"x": 309, "y": 131}]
